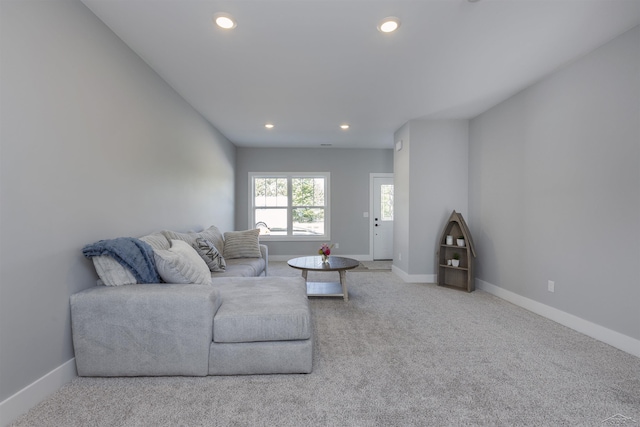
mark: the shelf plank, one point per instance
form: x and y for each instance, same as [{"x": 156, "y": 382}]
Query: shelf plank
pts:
[
  {"x": 453, "y": 268},
  {"x": 324, "y": 289},
  {"x": 457, "y": 287}
]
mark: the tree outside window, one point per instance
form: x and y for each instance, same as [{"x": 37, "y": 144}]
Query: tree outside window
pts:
[{"x": 290, "y": 205}]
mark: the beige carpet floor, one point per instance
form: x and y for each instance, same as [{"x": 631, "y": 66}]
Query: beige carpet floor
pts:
[
  {"x": 395, "y": 354},
  {"x": 377, "y": 265}
]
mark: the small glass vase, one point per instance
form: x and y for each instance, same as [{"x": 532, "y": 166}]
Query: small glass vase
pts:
[{"x": 325, "y": 259}]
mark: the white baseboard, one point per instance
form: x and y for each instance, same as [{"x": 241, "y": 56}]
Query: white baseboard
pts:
[
  {"x": 18, "y": 404},
  {"x": 413, "y": 278},
  {"x": 593, "y": 330},
  {"x": 408, "y": 278}
]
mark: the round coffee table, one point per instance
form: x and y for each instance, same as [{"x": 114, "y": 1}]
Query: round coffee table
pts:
[{"x": 325, "y": 289}]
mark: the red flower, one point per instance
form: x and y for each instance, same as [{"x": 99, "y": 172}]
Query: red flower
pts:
[{"x": 325, "y": 249}]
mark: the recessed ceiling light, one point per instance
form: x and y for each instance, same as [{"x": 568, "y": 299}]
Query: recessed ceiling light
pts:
[
  {"x": 344, "y": 126},
  {"x": 389, "y": 24},
  {"x": 224, "y": 20},
  {"x": 269, "y": 125}
]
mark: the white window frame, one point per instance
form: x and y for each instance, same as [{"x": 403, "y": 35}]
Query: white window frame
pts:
[{"x": 289, "y": 176}]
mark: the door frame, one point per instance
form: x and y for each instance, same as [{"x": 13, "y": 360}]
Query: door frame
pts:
[{"x": 371, "y": 196}]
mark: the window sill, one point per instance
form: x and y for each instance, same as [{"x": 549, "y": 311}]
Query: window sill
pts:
[{"x": 267, "y": 238}]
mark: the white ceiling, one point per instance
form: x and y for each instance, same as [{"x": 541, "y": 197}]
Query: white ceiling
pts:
[{"x": 310, "y": 65}]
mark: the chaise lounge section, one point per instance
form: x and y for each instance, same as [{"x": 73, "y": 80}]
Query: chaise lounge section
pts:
[{"x": 259, "y": 325}]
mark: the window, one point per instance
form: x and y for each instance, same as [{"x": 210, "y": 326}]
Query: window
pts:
[
  {"x": 291, "y": 206},
  {"x": 386, "y": 202}
]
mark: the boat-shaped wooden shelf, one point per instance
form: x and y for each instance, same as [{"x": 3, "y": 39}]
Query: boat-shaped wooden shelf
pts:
[{"x": 462, "y": 276}]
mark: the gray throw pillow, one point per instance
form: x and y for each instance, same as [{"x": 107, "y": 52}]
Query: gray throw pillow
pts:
[
  {"x": 210, "y": 255},
  {"x": 212, "y": 234},
  {"x": 242, "y": 244}
]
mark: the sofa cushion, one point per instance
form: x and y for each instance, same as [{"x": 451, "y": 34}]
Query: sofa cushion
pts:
[
  {"x": 242, "y": 244},
  {"x": 211, "y": 234},
  {"x": 241, "y": 267},
  {"x": 210, "y": 255},
  {"x": 181, "y": 264},
  {"x": 262, "y": 309},
  {"x": 267, "y": 357},
  {"x": 146, "y": 329}
]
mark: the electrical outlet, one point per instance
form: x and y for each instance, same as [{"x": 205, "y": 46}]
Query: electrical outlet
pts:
[
  {"x": 399, "y": 256},
  {"x": 551, "y": 286},
  {"x": 337, "y": 245}
]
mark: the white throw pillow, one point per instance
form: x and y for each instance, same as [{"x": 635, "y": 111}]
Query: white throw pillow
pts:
[
  {"x": 111, "y": 272},
  {"x": 181, "y": 264}
]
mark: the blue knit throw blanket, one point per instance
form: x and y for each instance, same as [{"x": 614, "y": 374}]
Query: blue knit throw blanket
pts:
[{"x": 131, "y": 253}]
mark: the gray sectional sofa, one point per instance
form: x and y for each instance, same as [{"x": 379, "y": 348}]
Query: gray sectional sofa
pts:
[{"x": 230, "y": 325}]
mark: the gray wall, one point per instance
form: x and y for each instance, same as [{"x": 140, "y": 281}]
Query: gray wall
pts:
[
  {"x": 402, "y": 198},
  {"x": 349, "y": 168},
  {"x": 94, "y": 145},
  {"x": 555, "y": 188},
  {"x": 431, "y": 180}
]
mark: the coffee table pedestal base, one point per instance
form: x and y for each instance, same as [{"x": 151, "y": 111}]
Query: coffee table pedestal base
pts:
[{"x": 328, "y": 289}]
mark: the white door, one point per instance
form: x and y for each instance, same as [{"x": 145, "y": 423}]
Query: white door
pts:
[{"x": 382, "y": 218}]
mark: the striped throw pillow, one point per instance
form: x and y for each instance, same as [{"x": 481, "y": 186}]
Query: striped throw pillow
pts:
[{"x": 242, "y": 244}]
